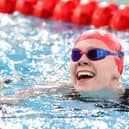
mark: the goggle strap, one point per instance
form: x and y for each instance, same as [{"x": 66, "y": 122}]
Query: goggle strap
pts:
[{"x": 118, "y": 53}]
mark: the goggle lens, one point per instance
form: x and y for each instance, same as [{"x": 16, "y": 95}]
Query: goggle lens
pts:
[{"x": 96, "y": 54}]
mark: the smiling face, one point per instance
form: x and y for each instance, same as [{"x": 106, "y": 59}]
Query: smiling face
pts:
[{"x": 93, "y": 75}]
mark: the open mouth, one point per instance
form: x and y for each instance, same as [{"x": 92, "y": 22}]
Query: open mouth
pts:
[{"x": 85, "y": 75}]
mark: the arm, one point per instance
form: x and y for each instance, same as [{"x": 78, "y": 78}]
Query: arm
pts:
[{"x": 30, "y": 93}]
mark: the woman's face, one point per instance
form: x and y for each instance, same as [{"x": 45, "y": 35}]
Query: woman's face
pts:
[{"x": 93, "y": 75}]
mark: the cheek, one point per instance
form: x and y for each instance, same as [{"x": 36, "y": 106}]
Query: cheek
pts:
[
  {"x": 111, "y": 65},
  {"x": 72, "y": 67},
  {"x": 107, "y": 67}
]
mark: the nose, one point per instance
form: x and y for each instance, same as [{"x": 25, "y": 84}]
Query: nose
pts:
[{"x": 83, "y": 60}]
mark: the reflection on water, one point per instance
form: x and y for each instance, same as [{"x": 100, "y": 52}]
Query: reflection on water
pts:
[
  {"x": 48, "y": 112},
  {"x": 66, "y": 108},
  {"x": 34, "y": 52}
]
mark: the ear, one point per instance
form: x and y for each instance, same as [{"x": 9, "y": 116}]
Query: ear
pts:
[
  {"x": 117, "y": 75},
  {"x": 115, "y": 80}
]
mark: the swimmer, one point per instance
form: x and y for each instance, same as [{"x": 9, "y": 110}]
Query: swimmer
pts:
[
  {"x": 96, "y": 61},
  {"x": 96, "y": 64}
]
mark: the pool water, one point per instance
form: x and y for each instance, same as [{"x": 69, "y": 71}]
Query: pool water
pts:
[{"x": 35, "y": 52}]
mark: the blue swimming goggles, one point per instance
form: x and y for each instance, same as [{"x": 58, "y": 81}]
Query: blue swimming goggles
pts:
[{"x": 94, "y": 54}]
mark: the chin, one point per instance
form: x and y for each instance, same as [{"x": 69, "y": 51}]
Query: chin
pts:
[{"x": 87, "y": 88}]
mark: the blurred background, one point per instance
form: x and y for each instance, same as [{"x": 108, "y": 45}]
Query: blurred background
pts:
[{"x": 117, "y": 1}]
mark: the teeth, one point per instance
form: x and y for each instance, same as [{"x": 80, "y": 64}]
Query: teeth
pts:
[{"x": 84, "y": 75}]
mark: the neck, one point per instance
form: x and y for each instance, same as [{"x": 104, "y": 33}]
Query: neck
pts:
[{"x": 105, "y": 93}]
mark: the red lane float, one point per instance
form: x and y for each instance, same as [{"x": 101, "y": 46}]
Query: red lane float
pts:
[
  {"x": 103, "y": 14},
  {"x": 64, "y": 10},
  {"x": 32, "y": 1},
  {"x": 44, "y": 8},
  {"x": 83, "y": 12},
  {"x": 86, "y": 12},
  {"x": 7, "y": 6},
  {"x": 120, "y": 20},
  {"x": 24, "y": 7}
]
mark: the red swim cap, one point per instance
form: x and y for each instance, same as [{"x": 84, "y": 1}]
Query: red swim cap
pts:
[{"x": 112, "y": 43}]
